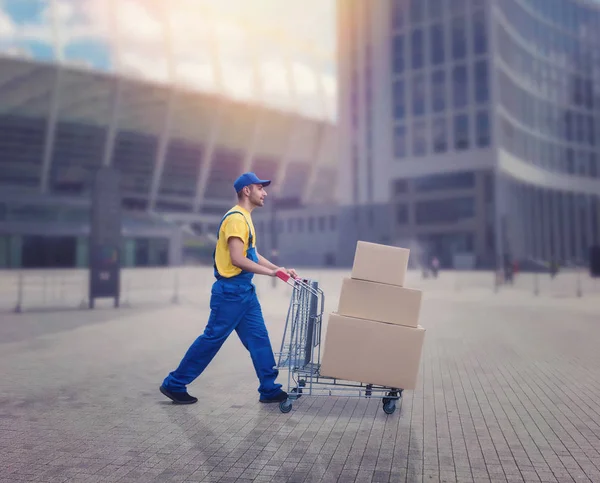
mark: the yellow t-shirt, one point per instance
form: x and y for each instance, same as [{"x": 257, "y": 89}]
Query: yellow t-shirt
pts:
[{"x": 233, "y": 225}]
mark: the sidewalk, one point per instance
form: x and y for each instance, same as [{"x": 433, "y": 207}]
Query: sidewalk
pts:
[{"x": 509, "y": 391}]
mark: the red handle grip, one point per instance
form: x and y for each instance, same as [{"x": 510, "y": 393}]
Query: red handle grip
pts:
[{"x": 283, "y": 275}]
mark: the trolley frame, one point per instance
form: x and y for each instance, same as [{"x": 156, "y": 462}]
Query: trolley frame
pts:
[{"x": 300, "y": 352}]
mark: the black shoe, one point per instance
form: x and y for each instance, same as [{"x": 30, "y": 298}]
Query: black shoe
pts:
[
  {"x": 178, "y": 397},
  {"x": 280, "y": 396}
]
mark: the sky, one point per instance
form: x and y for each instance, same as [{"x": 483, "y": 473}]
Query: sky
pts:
[{"x": 257, "y": 44}]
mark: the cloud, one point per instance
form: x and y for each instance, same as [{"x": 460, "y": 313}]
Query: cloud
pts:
[{"x": 138, "y": 29}]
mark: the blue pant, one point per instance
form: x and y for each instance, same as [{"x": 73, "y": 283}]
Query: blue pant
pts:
[{"x": 232, "y": 307}]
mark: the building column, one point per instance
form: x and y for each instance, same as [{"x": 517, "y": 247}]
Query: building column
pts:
[
  {"x": 567, "y": 226},
  {"x": 590, "y": 223},
  {"x": 258, "y": 90},
  {"x": 161, "y": 152},
  {"x": 50, "y": 135},
  {"x": 163, "y": 142},
  {"x": 578, "y": 227},
  {"x": 82, "y": 252},
  {"x": 596, "y": 214},
  {"x": 287, "y": 155},
  {"x": 322, "y": 141},
  {"x": 555, "y": 216},
  {"x": 538, "y": 223},
  {"x": 215, "y": 128},
  {"x": 550, "y": 225},
  {"x": 15, "y": 251},
  {"x": 4, "y": 251},
  {"x": 113, "y": 124}
]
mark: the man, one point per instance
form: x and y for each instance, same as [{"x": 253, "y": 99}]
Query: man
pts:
[{"x": 233, "y": 303}]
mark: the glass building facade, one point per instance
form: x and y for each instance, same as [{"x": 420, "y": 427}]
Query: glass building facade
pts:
[
  {"x": 548, "y": 118},
  {"x": 523, "y": 78},
  {"x": 441, "y": 89}
]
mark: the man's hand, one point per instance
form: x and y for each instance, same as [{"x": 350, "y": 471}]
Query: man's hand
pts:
[{"x": 290, "y": 271}]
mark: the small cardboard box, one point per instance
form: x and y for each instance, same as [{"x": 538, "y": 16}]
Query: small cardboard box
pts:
[
  {"x": 380, "y": 263},
  {"x": 371, "y": 352},
  {"x": 380, "y": 302}
]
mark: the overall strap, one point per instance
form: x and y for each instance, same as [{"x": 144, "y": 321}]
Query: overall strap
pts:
[{"x": 250, "y": 239}]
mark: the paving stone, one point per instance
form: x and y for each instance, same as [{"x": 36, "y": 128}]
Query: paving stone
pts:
[{"x": 507, "y": 392}]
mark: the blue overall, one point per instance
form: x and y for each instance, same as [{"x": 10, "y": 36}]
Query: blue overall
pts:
[{"x": 233, "y": 306}]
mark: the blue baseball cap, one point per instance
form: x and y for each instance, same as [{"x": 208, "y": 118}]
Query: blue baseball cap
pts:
[{"x": 247, "y": 179}]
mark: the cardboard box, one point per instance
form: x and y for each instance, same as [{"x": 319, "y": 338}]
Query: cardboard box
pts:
[
  {"x": 380, "y": 263},
  {"x": 372, "y": 352},
  {"x": 380, "y": 302}
]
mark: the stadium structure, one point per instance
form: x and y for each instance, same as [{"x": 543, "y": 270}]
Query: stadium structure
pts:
[
  {"x": 471, "y": 128},
  {"x": 178, "y": 151}
]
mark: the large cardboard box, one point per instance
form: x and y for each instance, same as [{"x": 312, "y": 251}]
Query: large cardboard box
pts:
[
  {"x": 380, "y": 302},
  {"x": 372, "y": 352},
  {"x": 380, "y": 263}
]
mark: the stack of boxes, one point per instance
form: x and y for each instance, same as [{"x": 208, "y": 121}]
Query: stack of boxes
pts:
[{"x": 374, "y": 337}]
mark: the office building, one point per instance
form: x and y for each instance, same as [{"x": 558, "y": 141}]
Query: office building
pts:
[{"x": 470, "y": 129}]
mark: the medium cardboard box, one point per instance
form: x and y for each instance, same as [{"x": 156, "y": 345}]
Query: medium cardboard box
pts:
[
  {"x": 371, "y": 352},
  {"x": 380, "y": 263},
  {"x": 380, "y": 302}
]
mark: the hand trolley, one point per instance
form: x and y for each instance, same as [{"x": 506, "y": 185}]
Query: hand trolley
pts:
[{"x": 300, "y": 352}]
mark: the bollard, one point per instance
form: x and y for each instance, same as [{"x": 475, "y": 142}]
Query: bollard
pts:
[
  {"x": 19, "y": 306},
  {"x": 579, "y": 291},
  {"x": 536, "y": 284}
]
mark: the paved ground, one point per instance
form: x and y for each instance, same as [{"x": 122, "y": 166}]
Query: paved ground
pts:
[{"x": 509, "y": 391}]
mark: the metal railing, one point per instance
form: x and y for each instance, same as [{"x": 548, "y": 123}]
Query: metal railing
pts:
[{"x": 44, "y": 290}]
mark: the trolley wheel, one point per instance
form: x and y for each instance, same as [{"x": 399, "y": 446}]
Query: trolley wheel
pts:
[
  {"x": 389, "y": 407},
  {"x": 285, "y": 406}
]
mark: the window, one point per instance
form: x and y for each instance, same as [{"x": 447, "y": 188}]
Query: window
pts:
[
  {"x": 400, "y": 142},
  {"x": 399, "y": 100},
  {"x": 483, "y": 129},
  {"x": 437, "y": 44},
  {"x": 461, "y": 131},
  {"x": 400, "y": 186},
  {"x": 417, "y": 49},
  {"x": 321, "y": 223},
  {"x": 418, "y": 94},
  {"x": 458, "y": 7},
  {"x": 398, "y": 9},
  {"x": 448, "y": 181},
  {"x": 570, "y": 161},
  {"x": 459, "y": 38},
  {"x": 444, "y": 211},
  {"x": 419, "y": 139},
  {"x": 459, "y": 86},
  {"x": 436, "y": 9},
  {"x": 402, "y": 214},
  {"x": 416, "y": 11},
  {"x": 479, "y": 33},
  {"x": 481, "y": 82},
  {"x": 440, "y": 135},
  {"x": 398, "y": 54},
  {"x": 438, "y": 88}
]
